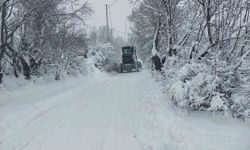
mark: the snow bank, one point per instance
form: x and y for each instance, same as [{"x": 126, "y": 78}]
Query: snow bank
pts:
[{"x": 170, "y": 128}]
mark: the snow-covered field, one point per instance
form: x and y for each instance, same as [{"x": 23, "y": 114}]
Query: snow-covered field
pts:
[{"x": 109, "y": 112}]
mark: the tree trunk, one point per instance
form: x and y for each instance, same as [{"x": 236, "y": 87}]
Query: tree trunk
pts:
[
  {"x": 156, "y": 39},
  {"x": 3, "y": 41},
  {"x": 208, "y": 20},
  {"x": 1, "y": 74}
]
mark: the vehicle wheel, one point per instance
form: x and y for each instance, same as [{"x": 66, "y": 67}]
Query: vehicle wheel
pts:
[
  {"x": 130, "y": 68},
  {"x": 137, "y": 69}
]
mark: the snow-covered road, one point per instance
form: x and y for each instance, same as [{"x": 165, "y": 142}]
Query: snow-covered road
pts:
[{"x": 121, "y": 112}]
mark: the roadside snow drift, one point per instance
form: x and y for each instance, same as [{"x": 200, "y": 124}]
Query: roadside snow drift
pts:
[{"x": 121, "y": 112}]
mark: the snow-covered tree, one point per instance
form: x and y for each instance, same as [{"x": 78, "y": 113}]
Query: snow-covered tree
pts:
[
  {"x": 39, "y": 32},
  {"x": 205, "y": 46}
]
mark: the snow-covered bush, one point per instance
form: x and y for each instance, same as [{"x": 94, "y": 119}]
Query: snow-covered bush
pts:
[
  {"x": 193, "y": 86},
  {"x": 103, "y": 56},
  {"x": 75, "y": 66},
  {"x": 79, "y": 65},
  {"x": 196, "y": 89}
]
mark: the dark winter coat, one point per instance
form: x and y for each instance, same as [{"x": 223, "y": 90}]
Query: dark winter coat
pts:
[{"x": 157, "y": 64}]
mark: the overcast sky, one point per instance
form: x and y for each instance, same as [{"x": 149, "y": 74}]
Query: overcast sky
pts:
[{"x": 119, "y": 12}]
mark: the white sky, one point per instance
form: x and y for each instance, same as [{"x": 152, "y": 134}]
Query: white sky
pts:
[{"x": 119, "y": 13}]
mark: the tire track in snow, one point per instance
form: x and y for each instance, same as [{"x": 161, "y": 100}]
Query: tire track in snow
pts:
[{"x": 127, "y": 111}]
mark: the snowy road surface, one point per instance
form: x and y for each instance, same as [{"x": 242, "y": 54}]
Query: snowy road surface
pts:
[{"x": 121, "y": 112}]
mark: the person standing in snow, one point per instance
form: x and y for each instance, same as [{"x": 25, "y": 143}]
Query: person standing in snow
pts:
[{"x": 156, "y": 63}]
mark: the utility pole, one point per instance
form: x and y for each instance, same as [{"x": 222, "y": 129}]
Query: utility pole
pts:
[
  {"x": 126, "y": 30},
  {"x": 107, "y": 22},
  {"x": 111, "y": 35}
]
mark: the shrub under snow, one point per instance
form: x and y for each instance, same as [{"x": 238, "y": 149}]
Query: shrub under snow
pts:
[
  {"x": 103, "y": 56},
  {"x": 194, "y": 87}
]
